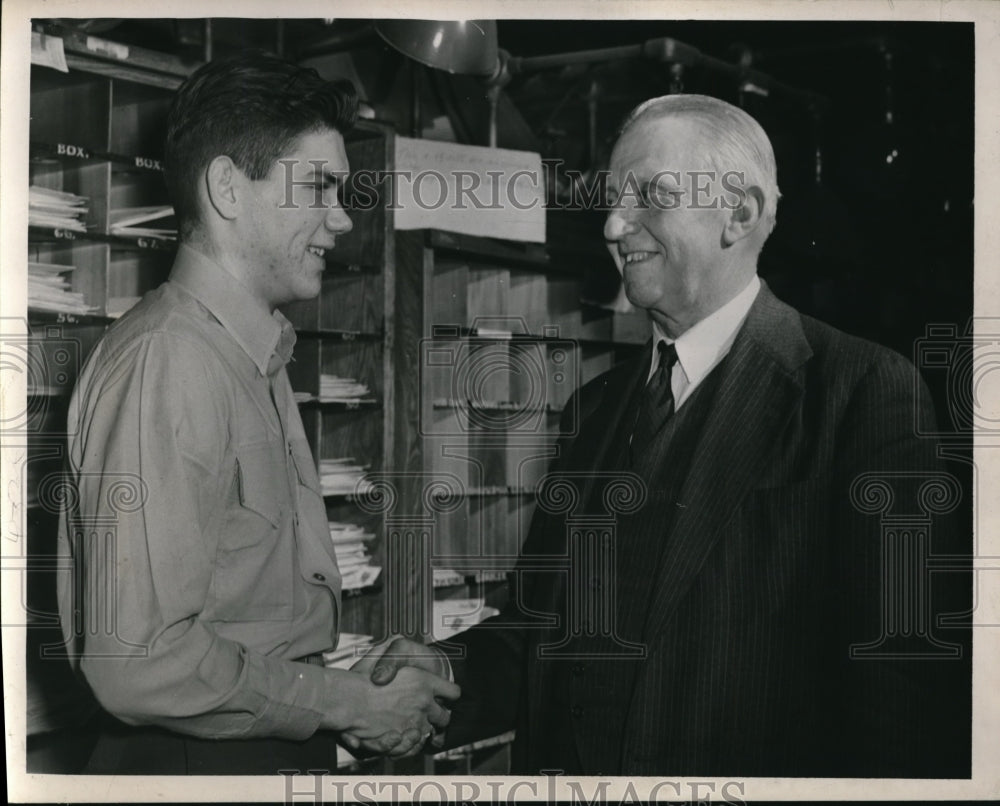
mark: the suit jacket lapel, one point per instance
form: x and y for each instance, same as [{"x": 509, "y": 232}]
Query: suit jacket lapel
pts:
[
  {"x": 757, "y": 394},
  {"x": 601, "y": 423},
  {"x": 599, "y": 414}
]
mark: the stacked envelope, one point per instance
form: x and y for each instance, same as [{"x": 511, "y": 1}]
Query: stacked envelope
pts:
[
  {"x": 343, "y": 477},
  {"x": 49, "y": 289},
  {"x": 57, "y": 209},
  {"x": 155, "y": 221},
  {"x": 355, "y": 563},
  {"x": 333, "y": 388}
]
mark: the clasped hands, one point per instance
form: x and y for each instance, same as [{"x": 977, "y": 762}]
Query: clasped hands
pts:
[{"x": 405, "y": 690}]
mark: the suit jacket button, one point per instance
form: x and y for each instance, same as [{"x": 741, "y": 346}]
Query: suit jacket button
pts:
[
  {"x": 578, "y": 669},
  {"x": 319, "y": 577},
  {"x": 576, "y": 711}
]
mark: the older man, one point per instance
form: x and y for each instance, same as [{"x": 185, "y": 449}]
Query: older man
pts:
[
  {"x": 746, "y": 578},
  {"x": 200, "y": 602}
]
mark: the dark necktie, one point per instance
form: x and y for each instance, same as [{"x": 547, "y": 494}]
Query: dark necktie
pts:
[{"x": 657, "y": 403}]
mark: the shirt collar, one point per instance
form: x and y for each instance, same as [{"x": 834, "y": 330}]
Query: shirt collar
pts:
[
  {"x": 261, "y": 334},
  {"x": 699, "y": 348}
]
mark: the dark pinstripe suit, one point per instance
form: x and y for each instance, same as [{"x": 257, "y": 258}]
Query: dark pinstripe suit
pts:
[{"x": 761, "y": 576}]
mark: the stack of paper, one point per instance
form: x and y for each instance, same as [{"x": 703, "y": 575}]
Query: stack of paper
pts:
[
  {"x": 57, "y": 209},
  {"x": 343, "y": 477},
  {"x": 350, "y": 648},
  {"x": 49, "y": 289},
  {"x": 353, "y": 559},
  {"x": 333, "y": 388},
  {"x": 456, "y": 615},
  {"x": 126, "y": 222}
]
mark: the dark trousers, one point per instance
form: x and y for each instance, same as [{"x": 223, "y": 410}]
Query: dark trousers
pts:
[{"x": 124, "y": 750}]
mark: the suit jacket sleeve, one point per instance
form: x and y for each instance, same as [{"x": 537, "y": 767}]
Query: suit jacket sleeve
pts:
[{"x": 894, "y": 708}]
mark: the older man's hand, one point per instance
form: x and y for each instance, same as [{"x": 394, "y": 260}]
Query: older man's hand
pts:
[{"x": 385, "y": 659}]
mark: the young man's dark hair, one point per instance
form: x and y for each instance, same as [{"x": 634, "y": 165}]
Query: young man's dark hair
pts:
[{"x": 251, "y": 107}]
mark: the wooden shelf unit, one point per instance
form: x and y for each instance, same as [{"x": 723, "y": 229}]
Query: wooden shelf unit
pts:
[{"x": 497, "y": 342}]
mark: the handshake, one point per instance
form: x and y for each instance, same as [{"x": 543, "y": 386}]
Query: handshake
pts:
[{"x": 392, "y": 701}]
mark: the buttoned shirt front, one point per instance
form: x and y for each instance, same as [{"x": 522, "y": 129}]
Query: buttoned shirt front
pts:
[
  {"x": 701, "y": 347},
  {"x": 201, "y": 564}
]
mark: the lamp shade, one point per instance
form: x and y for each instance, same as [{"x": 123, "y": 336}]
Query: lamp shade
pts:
[{"x": 468, "y": 47}]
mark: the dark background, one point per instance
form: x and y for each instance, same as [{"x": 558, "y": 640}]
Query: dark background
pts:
[{"x": 880, "y": 245}]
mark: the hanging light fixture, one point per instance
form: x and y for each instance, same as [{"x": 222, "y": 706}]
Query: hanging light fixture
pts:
[{"x": 464, "y": 47}]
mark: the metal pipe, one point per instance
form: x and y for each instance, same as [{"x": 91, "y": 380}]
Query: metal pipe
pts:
[
  {"x": 592, "y": 97},
  {"x": 527, "y": 64},
  {"x": 335, "y": 43},
  {"x": 208, "y": 40},
  {"x": 493, "y": 96},
  {"x": 663, "y": 49},
  {"x": 416, "y": 122}
]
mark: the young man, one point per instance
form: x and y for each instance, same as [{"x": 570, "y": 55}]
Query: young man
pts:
[{"x": 204, "y": 585}]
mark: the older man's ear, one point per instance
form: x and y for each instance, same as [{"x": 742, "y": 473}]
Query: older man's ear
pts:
[{"x": 747, "y": 218}]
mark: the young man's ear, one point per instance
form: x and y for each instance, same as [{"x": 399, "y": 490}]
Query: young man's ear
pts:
[
  {"x": 221, "y": 180},
  {"x": 746, "y": 217}
]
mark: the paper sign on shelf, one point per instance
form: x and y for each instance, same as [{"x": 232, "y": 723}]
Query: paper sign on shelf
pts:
[
  {"x": 473, "y": 190},
  {"x": 47, "y": 51}
]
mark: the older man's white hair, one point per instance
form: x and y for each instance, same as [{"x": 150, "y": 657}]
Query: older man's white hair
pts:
[{"x": 734, "y": 140}]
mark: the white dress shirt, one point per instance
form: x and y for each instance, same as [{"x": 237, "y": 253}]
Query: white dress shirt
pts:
[{"x": 702, "y": 347}]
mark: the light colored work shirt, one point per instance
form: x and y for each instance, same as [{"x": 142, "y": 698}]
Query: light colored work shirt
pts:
[
  {"x": 201, "y": 559},
  {"x": 700, "y": 348}
]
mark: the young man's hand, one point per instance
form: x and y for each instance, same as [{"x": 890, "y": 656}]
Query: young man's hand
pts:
[
  {"x": 395, "y": 718},
  {"x": 382, "y": 663}
]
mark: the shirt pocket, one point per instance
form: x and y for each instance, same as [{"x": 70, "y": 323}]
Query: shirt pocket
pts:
[
  {"x": 305, "y": 467},
  {"x": 258, "y": 477},
  {"x": 311, "y": 505},
  {"x": 254, "y": 563}
]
